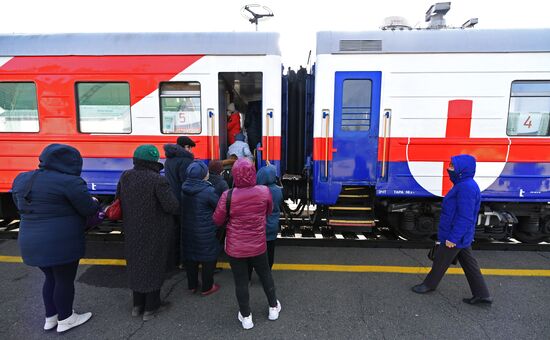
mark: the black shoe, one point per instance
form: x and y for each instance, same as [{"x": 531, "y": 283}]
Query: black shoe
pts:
[
  {"x": 148, "y": 315},
  {"x": 422, "y": 289},
  {"x": 474, "y": 300},
  {"x": 137, "y": 310}
]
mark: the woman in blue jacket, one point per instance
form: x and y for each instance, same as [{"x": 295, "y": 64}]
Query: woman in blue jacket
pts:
[
  {"x": 200, "y": 245},
  {"x": 459, "y": 212},
  {"x": 53, "y": 202},
  {"x": 268, "y": 176}
]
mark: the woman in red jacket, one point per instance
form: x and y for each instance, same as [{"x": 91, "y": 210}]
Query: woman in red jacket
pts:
[{"x": 245, "y": 244}]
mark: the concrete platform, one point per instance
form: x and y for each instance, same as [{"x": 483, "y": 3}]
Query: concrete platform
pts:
[{"x": 317, "y": 303}]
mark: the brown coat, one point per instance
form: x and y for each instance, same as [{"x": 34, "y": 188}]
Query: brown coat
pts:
[{"x": 148, "y": 206}]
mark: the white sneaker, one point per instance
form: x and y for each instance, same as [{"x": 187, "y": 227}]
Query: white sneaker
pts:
[
  {"x": 274, "y": 311},
  {"x": 247, "y": 322},
  {"x": 50, "y": 323},
  {"x": 72, "y": 321}
]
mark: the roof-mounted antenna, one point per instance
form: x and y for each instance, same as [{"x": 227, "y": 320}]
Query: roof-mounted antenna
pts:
[
  {"x": 255, "y": 12},
  {"x": 435, "y": 15},
  {"x": 470, "y": 23}
]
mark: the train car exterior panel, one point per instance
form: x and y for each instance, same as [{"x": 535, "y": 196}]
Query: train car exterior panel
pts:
[
  {"x": 442, "y": 105},
  {"x": 106, "y": 155}
]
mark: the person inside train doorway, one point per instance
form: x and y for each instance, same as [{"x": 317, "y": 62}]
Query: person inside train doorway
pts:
[
  {"x": 459, "y": 212},
  {"x": 239, "y": 148},
  {"x": 253, "y": 124},
  {"x": 233, "y": 123},
  {"x": 178, "y": 158}
]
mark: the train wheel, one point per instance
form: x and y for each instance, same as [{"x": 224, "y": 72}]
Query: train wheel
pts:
[
  {"x": 537, "y": 234},
  {"x": 396, "y": 222}
]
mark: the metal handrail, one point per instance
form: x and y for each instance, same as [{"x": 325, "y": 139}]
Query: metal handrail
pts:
[
  {"x": 326, "y": 116},
  {"x": 269, "y": 115},
  {"x": 387, "y": 116},
  {"x": 211, "y": 117}
]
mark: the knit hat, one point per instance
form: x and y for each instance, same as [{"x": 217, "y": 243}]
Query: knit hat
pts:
[
  {"x": 197, "y": 170},
  {"x": 231, "y": 107},
  {"x": 147, "y": 152},
  {"x": 239, "y": 136},
  {"x": 215, "y": 167},
  {"x": 184, "y": 140}
]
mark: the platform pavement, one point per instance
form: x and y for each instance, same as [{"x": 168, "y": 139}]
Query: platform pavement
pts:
[{"x": 316, "y": 304}]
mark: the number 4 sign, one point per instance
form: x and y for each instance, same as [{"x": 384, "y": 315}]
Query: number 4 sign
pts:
[{"x": 528, "y": 123}]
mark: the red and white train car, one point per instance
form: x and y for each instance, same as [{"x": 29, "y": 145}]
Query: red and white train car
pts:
[{"x": 105, "y": 94}]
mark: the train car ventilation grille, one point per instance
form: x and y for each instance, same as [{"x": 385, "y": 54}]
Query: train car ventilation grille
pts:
[{"x": 360, "y": 45}]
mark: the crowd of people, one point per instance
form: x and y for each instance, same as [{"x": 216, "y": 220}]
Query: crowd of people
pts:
[
  {"x": 167, "y": 220},
  {"x": 177, "y": 219}
]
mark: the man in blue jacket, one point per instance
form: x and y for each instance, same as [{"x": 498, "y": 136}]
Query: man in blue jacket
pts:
[{"x": 459, "y": 212}]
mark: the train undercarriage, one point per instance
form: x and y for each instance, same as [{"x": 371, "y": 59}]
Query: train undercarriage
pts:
[{"x": 358, "y": 209}]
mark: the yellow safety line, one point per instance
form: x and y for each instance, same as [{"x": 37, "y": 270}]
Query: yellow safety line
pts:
[
  {"x": 104, "y": 262},
  {"x": 333, "y": 268},
  {"x": 349, "y": 208},
  {"x": 351, "y": 221}
]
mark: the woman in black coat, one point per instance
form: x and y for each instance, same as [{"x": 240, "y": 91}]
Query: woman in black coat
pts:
[
  {"x": 53, "y": 202},
  {"x": 200, "y": 245},
  {"x": 148, "y": 206}
]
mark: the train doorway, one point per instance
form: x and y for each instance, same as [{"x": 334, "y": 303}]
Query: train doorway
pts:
[
  {"x": 245, "y": 91},
  {"x": 356, "y": 115}
]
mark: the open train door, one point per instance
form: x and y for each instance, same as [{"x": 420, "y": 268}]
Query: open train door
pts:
[{"x": 356, "y": 117}]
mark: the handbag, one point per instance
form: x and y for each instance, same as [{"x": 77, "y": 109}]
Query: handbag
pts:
[
  {"x": 433, "y": 249},
  {"x": 114, "y": 211},
  {"x": 431, "y": 253},
  {"x": 220, "y": 234},
  {"x": 94, "y": 220}
]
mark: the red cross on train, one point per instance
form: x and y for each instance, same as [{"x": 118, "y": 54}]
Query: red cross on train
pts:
[{"x": 361, "y": 138}]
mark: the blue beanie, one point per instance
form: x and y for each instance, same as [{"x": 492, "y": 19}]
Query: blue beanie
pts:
[
  {"x": 197, "y": 170},
  {"x": 239, "y": 136}
]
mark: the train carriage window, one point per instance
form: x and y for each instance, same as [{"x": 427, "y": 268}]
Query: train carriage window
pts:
[
  {"x": 180, "y": 107},
  {"x": 104, "y": 107},
  {"x": 356, "y": 105},
  {"x": 18, "y": 107},
  {"x": 529, "y": 112}
]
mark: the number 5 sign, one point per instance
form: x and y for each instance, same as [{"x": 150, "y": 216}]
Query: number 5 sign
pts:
[{"x": 528, "y": 123}]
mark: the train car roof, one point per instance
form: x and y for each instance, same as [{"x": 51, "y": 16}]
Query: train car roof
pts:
[
  {"x": 469, "y": 40},
  {"x": 204, "y": 43}
]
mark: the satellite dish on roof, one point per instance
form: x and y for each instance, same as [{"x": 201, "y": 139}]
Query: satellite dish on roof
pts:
[
  {"x": 255, "y": 12},
  {"x": 395, "y": 23}
]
